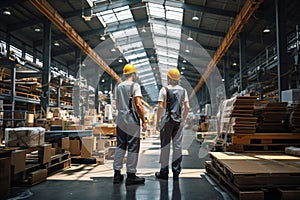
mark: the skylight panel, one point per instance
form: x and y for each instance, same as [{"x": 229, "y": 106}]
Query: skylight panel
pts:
[
  {"x": 173, "y": 13},
  {"x": 116, "y": 15}
]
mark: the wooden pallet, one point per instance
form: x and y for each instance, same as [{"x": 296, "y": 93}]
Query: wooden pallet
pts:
[
  {"x": 35, "y": 173},
  {"x": 59, "y": 162},
  {"x": 233, "y": 191},
  {"x": 266, "y": 138},
  {"x": 258, "y": 170},
  {"x": 251, "y": 193}
]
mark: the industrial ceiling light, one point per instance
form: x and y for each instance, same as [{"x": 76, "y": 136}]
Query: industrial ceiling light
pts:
[
  {"x": 189, "y": 38},
  {"x": 187, "y": 51},
  {"x": 113, "y": 50},
  {"x": 6, "y": 12},
  {"x": 267, "y": 29},
  {"x": 102, "y": 37},
  {"x": 37, "y": 29},
  {"x": 195, "y": 18},
  {"x": 56, "y": 44},
  {"x": 234, "y": 63},
  {"x": 120, "y": 60},
  {"x": 184, "y": 61}
]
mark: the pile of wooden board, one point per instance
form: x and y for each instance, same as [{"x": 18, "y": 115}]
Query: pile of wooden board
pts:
[
  {"x": 243, "y": 120},
  {"x": 273, "y": 117},
  {"x": 295, "y": 118},
  {"x": 256, "y": 176},
  {"x": 238, "y": 115}
]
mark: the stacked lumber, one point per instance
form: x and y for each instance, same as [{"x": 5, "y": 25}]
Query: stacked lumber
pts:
[
  {"x": 242, "y": 115},
  {"x": 295, "y": 118},
  {"x": 273, "y": 117},
  {"x": 237, "y": 115}
]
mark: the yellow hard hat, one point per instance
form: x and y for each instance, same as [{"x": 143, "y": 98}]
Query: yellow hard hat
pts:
[
  {"x": 174, "y": 74},
  {"x": 128, "y": 69}
]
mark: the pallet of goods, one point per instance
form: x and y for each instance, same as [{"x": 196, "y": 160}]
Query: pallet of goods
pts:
[{"x": 257, "y": 142}]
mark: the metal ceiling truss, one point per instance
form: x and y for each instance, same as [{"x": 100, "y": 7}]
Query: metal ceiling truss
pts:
[
  {"x": 45, "y": 8},
  {"x": 237, "y": 26}
]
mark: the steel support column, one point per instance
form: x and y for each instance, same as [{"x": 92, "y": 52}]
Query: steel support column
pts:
[
  {"x": 46, "y": 73},
  {"x": 97, "y": 98},
  {"x": 8, "y": 41},
  {"x": 58, "y": 91},
  {"x": 226, "y": 67},
  {"x": 281, "y": 39},
  {"x": 76, "y": 88},
  {"x": 242, "y": 55},
  {"x": 13, "y": 89}
]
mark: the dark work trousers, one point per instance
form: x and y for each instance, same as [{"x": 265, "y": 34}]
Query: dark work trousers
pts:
[
  {"x": 171, "y": 131},
  {"x": 130, "y": 143}
]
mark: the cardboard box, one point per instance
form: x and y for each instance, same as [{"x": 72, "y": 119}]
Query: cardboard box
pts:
[
  {"x": 56, "y": 112},
  {"x": 75, "y": 147},
  {"x": 59, "y": 122},
  {"x": 38, "y": 176},
  {"x": 41, "y": 122},
  {"x": 30, "y": 118},
  {"x": 105, "y": 129},
  {"x": 204, "y": 126},
  {"x": 18, "y": 161},
  {"x": 53, "y": 151},
  {"x": 87, "y": 146},
  {"x": 65, "y": 143},
  {"x": 76, "y": 127},
  {"x": 45, "y": 153},
  {"x": 5, "y": 177}
]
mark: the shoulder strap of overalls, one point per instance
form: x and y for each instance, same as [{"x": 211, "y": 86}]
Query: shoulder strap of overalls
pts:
[
  {"x": 168, "y": 99},
  {"x": 131, "y": 96}
]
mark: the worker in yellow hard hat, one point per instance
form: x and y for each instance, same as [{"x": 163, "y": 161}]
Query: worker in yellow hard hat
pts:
[
  {"x": 173, "y": 101},
  {"x": 130, "y": 113}
]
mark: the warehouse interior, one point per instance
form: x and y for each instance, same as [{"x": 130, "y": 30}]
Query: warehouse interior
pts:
[{"x": 60, "y": 63}]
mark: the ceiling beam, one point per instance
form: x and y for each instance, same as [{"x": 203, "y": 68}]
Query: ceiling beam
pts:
[
  {"x": 66, "y": 15},
  {"x": 237, "y": 26},
  {"x": 44, "y": 7},
  {"x": 125, "y": 26},
  {"x": 205, "y": 9}
]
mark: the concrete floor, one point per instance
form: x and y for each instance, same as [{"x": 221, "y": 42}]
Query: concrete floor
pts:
[{"x": 95, "y": 181}]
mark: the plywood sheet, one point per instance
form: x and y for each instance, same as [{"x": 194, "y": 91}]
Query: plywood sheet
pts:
[{"x": 258, "y": 163}]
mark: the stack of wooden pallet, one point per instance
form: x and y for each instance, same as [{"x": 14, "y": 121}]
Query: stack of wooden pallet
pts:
[
  {"x": 242, "y": 115},
  {"x": 273, "y": 117},
  {"x": 256, "y": 176},
  {"x": 295, "y": 118}
]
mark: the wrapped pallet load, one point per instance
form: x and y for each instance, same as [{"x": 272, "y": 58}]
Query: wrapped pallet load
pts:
[{"x": 24, "y": 136}]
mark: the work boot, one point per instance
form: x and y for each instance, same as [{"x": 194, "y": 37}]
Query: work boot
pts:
[
  {"x": 175, "y": 177},
  {"x": 161, "y": 175},
  {"x": 132, "y": 179},
  {"x": 118, "y": 177}
]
